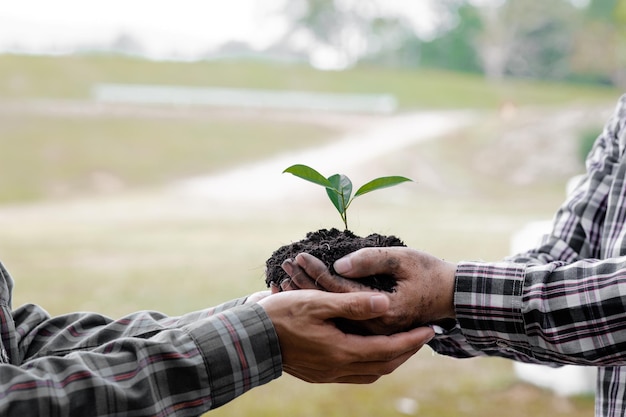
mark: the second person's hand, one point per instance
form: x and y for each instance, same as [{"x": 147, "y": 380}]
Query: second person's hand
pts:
[{"x": 424, "y": 292}]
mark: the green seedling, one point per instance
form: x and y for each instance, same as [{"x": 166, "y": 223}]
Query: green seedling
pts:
[{"x": 339, "y": 187}]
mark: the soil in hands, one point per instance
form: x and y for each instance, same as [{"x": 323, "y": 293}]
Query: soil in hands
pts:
[{"x": 330, "y": 245}]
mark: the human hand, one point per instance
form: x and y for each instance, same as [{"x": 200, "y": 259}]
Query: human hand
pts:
[
  {"x": 257, "y": 296},
  {"x": 315, "y": 350},
  {"x": 424, "y": 291}
]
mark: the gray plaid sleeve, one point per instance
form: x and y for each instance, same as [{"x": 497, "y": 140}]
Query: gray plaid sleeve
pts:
[{"x": 145, "y": 364}]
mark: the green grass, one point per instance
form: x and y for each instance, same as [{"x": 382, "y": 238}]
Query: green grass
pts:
[
  {"x": 53, "y": 152},
  {"x": 74, "y": 76}
]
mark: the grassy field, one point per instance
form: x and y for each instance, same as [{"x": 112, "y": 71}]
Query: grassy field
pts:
[
  {"x": 86, "y": 224},
  {"x": 73, "y": 77},
  {"x": 50, "y": 155}
]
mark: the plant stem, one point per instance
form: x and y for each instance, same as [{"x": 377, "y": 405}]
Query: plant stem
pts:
[{"x": 344, "y": 215}]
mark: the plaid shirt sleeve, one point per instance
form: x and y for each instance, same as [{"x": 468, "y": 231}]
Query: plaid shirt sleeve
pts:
[
  {"x": 145, "y": 364},
  {"x": 555, "y": 313},
  {"x": 563, "y": 302}
]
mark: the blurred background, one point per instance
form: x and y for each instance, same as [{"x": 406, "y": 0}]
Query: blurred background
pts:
[{"x": 143, "y": 144}]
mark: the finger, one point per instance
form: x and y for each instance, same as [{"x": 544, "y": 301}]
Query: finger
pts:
[
  {"x": 334, "y": 375},
  {"x": 352, "y": 372},
  {"x": 387, "y": 349},
  {"x": 274, "y": 288},
  {"x": 368, "y": 261},
  {"x": 298, "y": 276},
  {"x": 317, "y": 271},
  {"x": 255, "y": 297},
  {"x": 357, "y": 379},
  {"x": 287, "y": 285},
  {"x": 329, "y": 376},
  {"x": 352, "y": 306},
  {"x": 373, "y": 370}
]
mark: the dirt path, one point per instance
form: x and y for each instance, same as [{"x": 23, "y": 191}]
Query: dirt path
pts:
[
  {"x": 249, "y": 183},
  {"x": 216, "y": 194},
  {"x": 261, "y": 185}
]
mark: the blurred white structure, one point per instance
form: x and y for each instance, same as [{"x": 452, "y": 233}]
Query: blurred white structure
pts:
[
  {"x": 565, "y": 380},
  {"x": 245, "y": 98}
]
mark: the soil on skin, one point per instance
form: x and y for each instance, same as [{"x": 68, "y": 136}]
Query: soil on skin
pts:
[{"x": 330, "y": 245}]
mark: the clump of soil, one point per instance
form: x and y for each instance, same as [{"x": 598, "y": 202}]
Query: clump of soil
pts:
[{"x": 330, "y": 245}]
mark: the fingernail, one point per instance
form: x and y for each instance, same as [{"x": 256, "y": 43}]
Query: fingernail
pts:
[
  {"x": 285, "y": 283},
  {"x": 379, "y": 303},
  {"x": 287, "y": 267},
  {"x": 301, "y": 260},
  {"x": 343, "y": 265}
]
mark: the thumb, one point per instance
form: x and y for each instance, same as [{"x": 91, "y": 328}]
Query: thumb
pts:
[
  {"x": 373, "y": 261},
  {"x": 355, "y": 305},
  {"x": 364, "y": 262}
]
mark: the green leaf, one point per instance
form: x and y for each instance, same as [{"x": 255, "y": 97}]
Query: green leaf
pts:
[
  {"x": 378, "y": 183},
  {"x": 336, "y": 199},
  {"x": 309, "y": 174},
  {"x": 341, "y": 185}
]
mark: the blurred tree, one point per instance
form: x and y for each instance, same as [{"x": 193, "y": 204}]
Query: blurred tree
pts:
[
  {"x": 522, "y": 38},
  {"x": 449, "y": 45},
  {"x": 601, "y": 9},
  {"x": 345, "y": 29},
  {"x": 526, "y": 38},
  {"x": 519, "y": 38},
  {"x": 455, "y": 47},
  {"x": 600, "y": 52},
  {"x": 619, "y": 76},
  {"x": 546, "y": 38},
  {"x": 391, "y": 43}
]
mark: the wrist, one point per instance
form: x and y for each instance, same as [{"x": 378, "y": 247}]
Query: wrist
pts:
[{"x": 447, "y": 279}]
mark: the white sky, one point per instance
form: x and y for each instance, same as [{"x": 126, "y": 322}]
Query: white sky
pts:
[
  {"x": 188, "y": 27},
  {"x": 160, "y": 25}
]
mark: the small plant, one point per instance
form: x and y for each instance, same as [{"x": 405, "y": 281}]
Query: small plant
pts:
[{"x": 339, "y": 187}]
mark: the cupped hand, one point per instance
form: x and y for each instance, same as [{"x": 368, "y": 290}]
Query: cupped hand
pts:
[
  {"x": 314, "y": 349},
  {"x": 424, "y": 291},
  {"x": 257, "y": 296}
]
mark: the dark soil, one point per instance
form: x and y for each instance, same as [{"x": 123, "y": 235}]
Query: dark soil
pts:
[{"x": 330, "y": 245}]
